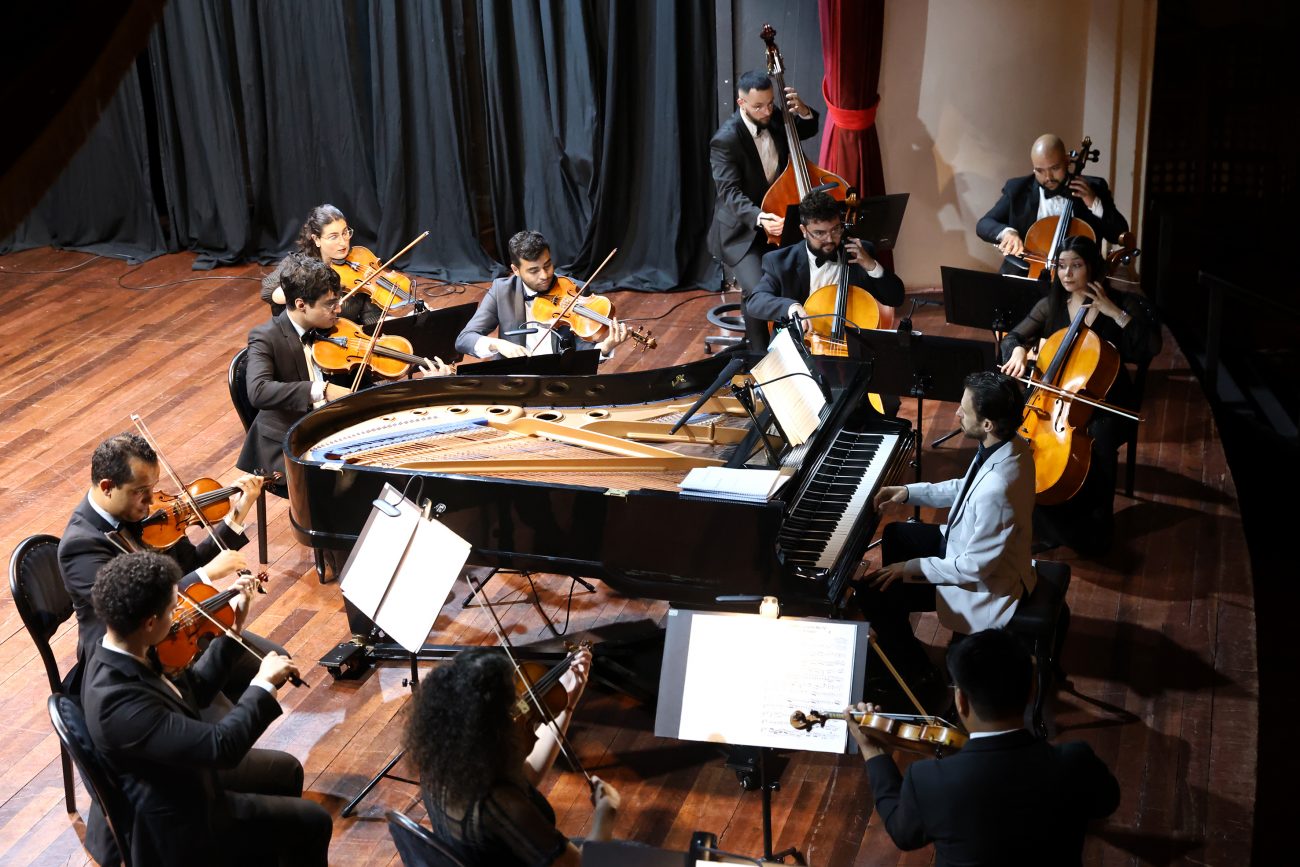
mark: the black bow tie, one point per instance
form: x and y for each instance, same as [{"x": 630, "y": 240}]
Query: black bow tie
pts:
[
  {"x": 311, "y": 335},
  {"x": 1062, "y": 189}
]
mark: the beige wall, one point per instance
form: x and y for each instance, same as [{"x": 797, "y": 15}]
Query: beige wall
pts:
[{"x": 966, "y": 86}]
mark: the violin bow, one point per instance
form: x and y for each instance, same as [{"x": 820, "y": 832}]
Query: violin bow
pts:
[
  {"x": 384, "y": 267},
  {"x": 383, "y": 314},
  {"x": 572, "y": 302},
  {"x": 239, "y": 639},
  {"x": 543, "y": 711},
  {"x": 212, "y": 534}
]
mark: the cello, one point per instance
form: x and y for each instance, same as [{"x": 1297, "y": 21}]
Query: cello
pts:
[
  {"x": 800, "y": 174},
  {"x": 1079, "y": 363},
  {"x": 1043, "y": 240},
  {"x": 833, "y": 306}
]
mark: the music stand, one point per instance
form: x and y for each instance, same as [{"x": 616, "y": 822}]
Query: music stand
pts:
[
  {"x": 736, "y": 678},
  {"x": 431, "y": 332},
  {"x": 912, "y": 364},
  {"x": 580, "y": 362},
  {"x": 979, "y": 299},
  {"x": 880, "y": 218}
]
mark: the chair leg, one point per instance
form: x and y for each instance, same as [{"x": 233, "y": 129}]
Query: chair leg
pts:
[
  {"x": 1130, "y": 466},
  {"x": 69, "y": 794},
  {"x": 261, "y": 527},
  {"x": 1043, "y": 670}
]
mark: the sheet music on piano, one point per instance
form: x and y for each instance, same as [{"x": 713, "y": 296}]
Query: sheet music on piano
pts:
[{"x": 786, "y": 384}]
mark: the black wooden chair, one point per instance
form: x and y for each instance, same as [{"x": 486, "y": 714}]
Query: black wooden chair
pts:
[
  {"x": 417, "y": 846},
  {"x": 42, "y": 600},
  {"x": 70, "y": 726},
  {"x": 1042, "y": 620},
  {"x": 236, "y": 380}
]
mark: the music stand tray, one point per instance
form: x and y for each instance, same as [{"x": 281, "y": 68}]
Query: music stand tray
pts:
[
  {"x": 880, "y": 218},
  {"x": 432, "y": 332}
]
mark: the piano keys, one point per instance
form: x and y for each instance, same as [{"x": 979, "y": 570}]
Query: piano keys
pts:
[{"x": 578, "y": 475}]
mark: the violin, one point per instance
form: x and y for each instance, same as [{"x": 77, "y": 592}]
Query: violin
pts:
[
  {"x": 170, "y": 514},
  {"x": 535, "y": 683},
  {"x": 347, "y": 346},
  {"x": 361, "y": 268},
  {"x": 1044, "y": 238},
  {"x": 191, "y": 631},
  {"x": 911, "y": 733},
  {"x": 800, "y": 174},
  {"x": 588, "y": 315},
  {"x": 1078, "y": 362}
]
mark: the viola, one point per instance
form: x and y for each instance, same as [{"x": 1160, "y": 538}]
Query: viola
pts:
[
  {"x": 1045, "y": 236},
  {"x": 1075, "y": 361},
  {"x": 347, "y": 347},
  {"x": 908, "y": 732},
  {"x": 170, "y": 514},
  {"x": 800, "y": 174},
  {"x": 590, "y": 316},
  {"x": 361, "y": 268}
]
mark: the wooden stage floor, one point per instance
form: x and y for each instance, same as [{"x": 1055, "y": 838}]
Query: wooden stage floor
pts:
[{"x": 1161, "y": 655}]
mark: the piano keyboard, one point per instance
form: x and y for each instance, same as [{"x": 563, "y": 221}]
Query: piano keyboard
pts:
[{"x": 821, "y": 520}]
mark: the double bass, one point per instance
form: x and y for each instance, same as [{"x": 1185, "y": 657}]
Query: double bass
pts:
[
  {"x": 1044, "y": 238},
  {"x": 800, "y": 174}
]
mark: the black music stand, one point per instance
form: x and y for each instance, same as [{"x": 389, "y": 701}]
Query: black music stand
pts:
[
  {"x": 431, "y": 332},
  {"x": 979, "y": 299},
  {"x": 880, "y": 218},
  {"x": 911, "y": 364}
]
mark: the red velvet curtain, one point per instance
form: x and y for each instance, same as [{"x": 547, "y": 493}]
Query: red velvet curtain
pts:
[{"x": 852, "y": 36}]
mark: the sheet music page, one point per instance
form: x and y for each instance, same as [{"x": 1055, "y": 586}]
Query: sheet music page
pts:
[
  {"x": 424, "y": 579},
  {"x": 746, "y": 674},
  {"x": 379, "y": 550},
  {"x": 796, "y": 401}
]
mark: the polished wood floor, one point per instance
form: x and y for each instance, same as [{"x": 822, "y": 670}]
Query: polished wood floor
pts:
[{"x": 1161, "y": 653}]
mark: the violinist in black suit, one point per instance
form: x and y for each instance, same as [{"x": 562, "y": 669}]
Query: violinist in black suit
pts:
[
  {"x": 1006, "y": 798},
  {"x": 124, "y": 473},
  {"x": 199, "y": 792},
  {"x": 791, "y": 274},
  {"x": 1030, "y": 198},
  {"x": 746, "y": 154}
]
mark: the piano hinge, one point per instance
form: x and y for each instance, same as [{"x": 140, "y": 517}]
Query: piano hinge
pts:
[{"x": 616, "y": 492}]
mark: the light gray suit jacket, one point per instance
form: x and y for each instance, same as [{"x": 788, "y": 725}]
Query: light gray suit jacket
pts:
[{"x": 987, "y": 565}]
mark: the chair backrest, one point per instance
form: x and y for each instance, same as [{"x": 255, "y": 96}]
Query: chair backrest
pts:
[
  {"x": 40, "y": 596},
  {"x": 237, "y": 382},
  {"x": 70, "y": 726},
  {"x": 417, "y": 846}
]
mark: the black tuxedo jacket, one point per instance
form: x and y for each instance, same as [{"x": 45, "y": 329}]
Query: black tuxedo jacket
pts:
[
  {"x": 741, "y": 184},
  {"x": 1010, "y": 799},
  {"x": 785, "y": 280},
  {"x": 164, "y": 756},
  {"x": 84, "y": 549},
  {"x": 1018, "y": 209},
  {"x": 279, "y": 385}
]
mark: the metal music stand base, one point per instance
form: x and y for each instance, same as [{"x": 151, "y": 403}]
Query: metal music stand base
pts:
[
  {"x": 386, "y": 771},
  {"x": 752, "y": 773}
]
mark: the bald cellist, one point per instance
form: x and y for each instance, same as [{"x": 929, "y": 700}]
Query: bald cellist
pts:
[{"x": 1030, "y": 198}]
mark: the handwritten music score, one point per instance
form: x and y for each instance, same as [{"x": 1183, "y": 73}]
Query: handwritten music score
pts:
[{"x": 746, "y": 674}]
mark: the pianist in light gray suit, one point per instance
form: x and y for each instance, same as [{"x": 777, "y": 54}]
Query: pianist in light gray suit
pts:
[{"x": 974, "y": 569}]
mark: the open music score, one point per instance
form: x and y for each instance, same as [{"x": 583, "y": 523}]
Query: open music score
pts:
[{"x": 788, "y": 388}]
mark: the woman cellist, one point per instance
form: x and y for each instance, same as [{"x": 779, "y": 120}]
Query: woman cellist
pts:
[{"x": 1125, "y": 320}]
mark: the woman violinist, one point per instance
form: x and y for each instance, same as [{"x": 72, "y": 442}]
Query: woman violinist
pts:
[
  {"x": 327, "y": 236},
  {"x": 1123, "y": 319},
  {"x": 479, "y": 766}
]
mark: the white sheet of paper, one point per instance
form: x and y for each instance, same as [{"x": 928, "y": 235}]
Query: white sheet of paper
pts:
[
  {"x": 424, "y": 578},
  {"x": 796, "y": 400},
  {"x": 379, "y": 550},
  {"x": 746, "y": 674}
]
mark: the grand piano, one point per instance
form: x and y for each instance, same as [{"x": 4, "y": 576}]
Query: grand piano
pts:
[{"x": 578, "y": 475}]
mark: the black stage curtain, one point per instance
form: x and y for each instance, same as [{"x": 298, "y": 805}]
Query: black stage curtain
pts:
[{"x": 587, "y": 120}]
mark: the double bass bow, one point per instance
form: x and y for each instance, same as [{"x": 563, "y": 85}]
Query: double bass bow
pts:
[
  {"x": 800, "y": 174},
  {"x": 1044, "y": 238}
]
